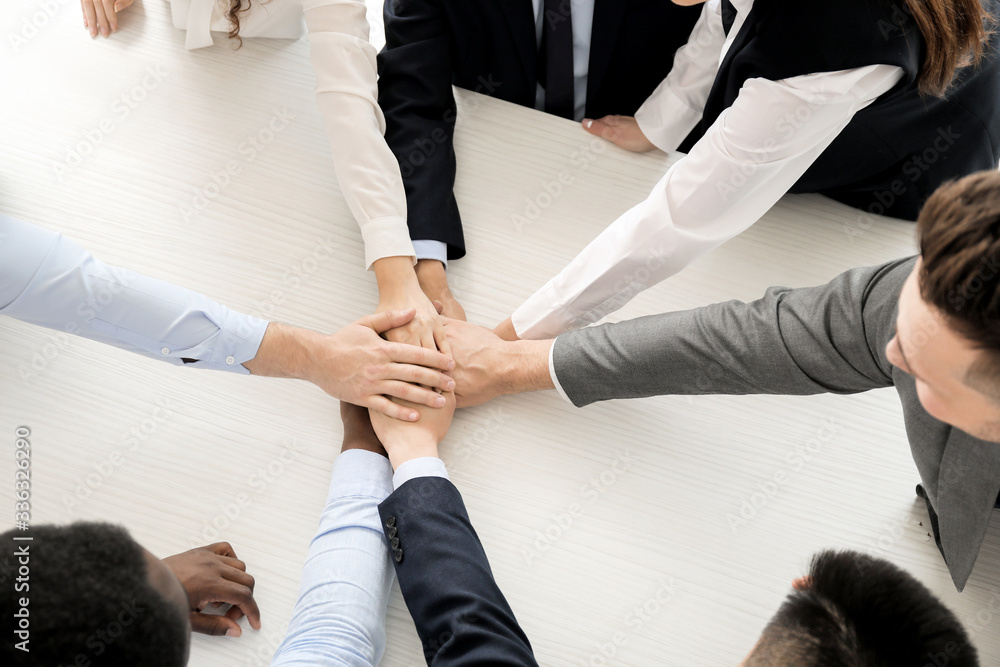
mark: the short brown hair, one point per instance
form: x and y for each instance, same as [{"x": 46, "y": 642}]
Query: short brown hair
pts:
[{"x": 959, "y": 235}]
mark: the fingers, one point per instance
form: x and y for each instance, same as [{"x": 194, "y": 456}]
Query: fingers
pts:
[
  {"x": 609, "y": 127},
  {"x": 89, "y": 16},
  {"x": 420, "y": 375},
  {"x": 214, "y": 624},
  {"x": 111, "y": 14},
  {"x": 102, "y": 20},
  {"x": 241, "y": 596},
  {"x": 411, "y": 354},
  {"x": 412, "y": 393},
  {"x": 384, "y": 406},
  {"x": 387, "y": 319},
  {"x": 441, "y": 338},
  {"x": 438, "y": 306},
  {"x": 222, "y": 549}
]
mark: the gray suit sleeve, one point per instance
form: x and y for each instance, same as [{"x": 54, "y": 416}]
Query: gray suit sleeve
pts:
[{"x": 825, "y": 339}]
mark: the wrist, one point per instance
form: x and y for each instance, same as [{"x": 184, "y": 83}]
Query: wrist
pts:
[
  {"x": 394, "y": 274},
  {"x": 287, "y": 352},
  {"x": 527, "y": 366},
  {"x": 417, "y": 446}
]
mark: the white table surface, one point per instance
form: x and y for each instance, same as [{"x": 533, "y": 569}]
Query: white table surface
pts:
[{"x": 654, "y": 531}]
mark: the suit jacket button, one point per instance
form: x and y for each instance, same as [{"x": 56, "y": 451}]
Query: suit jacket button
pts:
[
  {"x": 398, "y": 555},
  {"x": 391, "y": 532},
  {"x": 390, "y": 522},
  {"x": 394, "y": 543}
]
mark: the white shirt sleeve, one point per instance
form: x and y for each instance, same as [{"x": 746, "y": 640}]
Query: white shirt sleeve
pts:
[
  {"x": 670, "y": 113},
  {"x": 427, "y": 466},
  {"x": 347, "y": 94},
  {"x": 48, "y": 280},
  {"x": 753, "y": 153},
  {"x": 339, "y": 618}
]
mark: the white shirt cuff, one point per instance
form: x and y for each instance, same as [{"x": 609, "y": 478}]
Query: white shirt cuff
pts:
[
  {"x": 666, "y": 120},
  {"x": 432, "y": 250},
  {"x": 386, "y": 237},
  {"x": 427, "y": 466},
  {"x": 358, "y": 472},
  {"x": 552, "y": 373}
]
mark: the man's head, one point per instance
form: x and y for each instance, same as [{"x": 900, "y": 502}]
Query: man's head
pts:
[
  {"x": 948, "y": 326},
  {"x": 857, "y": 611},
  {"x": 94, "y": 596}
]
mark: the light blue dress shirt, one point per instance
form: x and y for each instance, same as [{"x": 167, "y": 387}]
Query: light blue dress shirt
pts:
[
  {"x": 583, "y": 24},
  {"x": 339, "y": 618},
  {"x": 48, "y": 280}
]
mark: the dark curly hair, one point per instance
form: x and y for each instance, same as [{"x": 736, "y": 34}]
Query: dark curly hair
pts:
[
  {"x": 89, "y": 595},
  {"x": 236, "y": 7}
]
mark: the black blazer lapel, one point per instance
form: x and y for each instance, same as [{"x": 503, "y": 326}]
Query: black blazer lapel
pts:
[
  {"x": 521, "y": 21},
  {"x": 608, "y": 17}
]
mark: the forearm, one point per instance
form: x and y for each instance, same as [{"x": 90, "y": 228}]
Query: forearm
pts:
[
  {"x": 68, "y": 289},
  {"x": 339, "y": 618},
  {"x": 676, "y": 106},
  {"x": 346, "y": 93},
  {"x": 801, "y": 341}
]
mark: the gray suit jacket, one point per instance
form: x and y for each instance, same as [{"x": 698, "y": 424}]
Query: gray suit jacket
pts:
[{"x": 829, "y": 338}]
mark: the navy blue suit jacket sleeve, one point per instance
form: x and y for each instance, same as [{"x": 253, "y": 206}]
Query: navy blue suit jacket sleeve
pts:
[
  {"x": 462, "y": 618},
  {"x": 415, "y": 77}
]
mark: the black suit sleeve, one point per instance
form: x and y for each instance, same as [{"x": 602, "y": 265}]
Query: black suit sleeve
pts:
[
  {"x": 415, "y": 77},
  {"x": 462, "y": 618}
]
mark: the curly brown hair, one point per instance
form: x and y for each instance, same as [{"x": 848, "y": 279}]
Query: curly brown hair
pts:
[{"x": 236, "y": 7}]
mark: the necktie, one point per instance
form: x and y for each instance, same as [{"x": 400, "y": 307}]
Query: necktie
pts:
[
  {"x": 555, "y": 58},
  {"x": 728, "y": 15}
]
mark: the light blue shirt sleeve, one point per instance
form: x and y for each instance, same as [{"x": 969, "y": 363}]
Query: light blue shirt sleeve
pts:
[
  {"x": 48, "y": 280},
  {"x": 432, "y": 250},
  {"x": 427, "y": 466},
  {"x": 339, "y": 618}
]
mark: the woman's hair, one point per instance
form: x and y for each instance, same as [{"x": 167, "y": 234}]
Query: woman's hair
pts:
[
  {"x": 956, "y": 32},
  {"x": 236, "y": 7}
]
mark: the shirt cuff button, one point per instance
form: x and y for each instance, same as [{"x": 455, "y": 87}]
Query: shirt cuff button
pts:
[
  {"x": 165, "y": 350},
  {"x": 230, "y": 360}
]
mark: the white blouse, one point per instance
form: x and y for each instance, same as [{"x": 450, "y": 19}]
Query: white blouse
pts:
[
  {"x": 746, "y": 161},
  {"x": 346, "y": 92}
]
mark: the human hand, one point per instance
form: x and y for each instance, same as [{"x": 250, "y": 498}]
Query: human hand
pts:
[
  {"x": 406, "y": 441},
  {"x": 102, "y": 15},
  {"x": 486, "y": 366},
  {"x": 358, "y": 366},
  {"x": 622, "y": 131},
  {"x": 426, "y": 329},
  {"x": 213, "y": 575}
]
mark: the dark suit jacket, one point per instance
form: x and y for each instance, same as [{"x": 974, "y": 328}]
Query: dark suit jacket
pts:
[
  {"x": 489, "y": 46},
  {"x": 461, "y": 616},
  {"x": 829, "y": 338}
]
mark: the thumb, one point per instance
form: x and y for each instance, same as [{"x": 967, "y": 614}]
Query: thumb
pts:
[
  {"x": 606, "y": 128},
  {"x": 212, "y": 624},
  {"x": 387, "y": 319}
]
